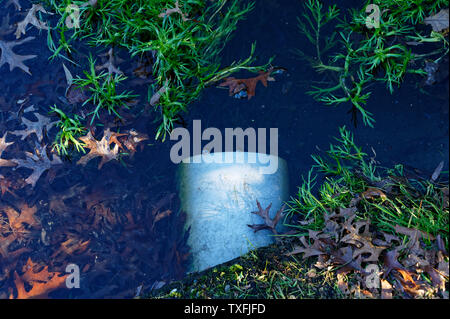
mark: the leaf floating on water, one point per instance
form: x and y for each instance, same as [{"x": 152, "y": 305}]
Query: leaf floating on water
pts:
[
  {"x": 38, "y": 162},
  {"x": 237, "y": 85},
  {"x": 439, "y": 21},
  {"x": 31, "y": 19},
  {"x": 14, "y": 60}
]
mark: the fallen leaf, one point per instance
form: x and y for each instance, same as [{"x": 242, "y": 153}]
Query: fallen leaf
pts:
[
  {"x": 386, "y": 289},
  {"x": 99, "y": 148},
  {"x": 371, "y": 193},
  {"x": 43, "y": 124},
  {"x": 38, "y": 162},
  {"x": 31, "y": 19},
  {"x": 3, "y": 146},
  {"x": 391, "y": 262},
  {"x": 40, "y": 288},
  {"x": 109, "y": 65},
  {"x": 439, "y": 21},
  {"x": 14, "y": 60},
  {"x": 237, "y": 85},
  {"x": 177, "y": 9},
  {"x": 268, "y": 222}
]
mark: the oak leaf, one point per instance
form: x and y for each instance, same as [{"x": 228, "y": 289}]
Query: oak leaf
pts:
[
  {"x": 439, "y": 21},
  {"x": 268, "y": 222},
  {"x": 109, "y": 65},
  {"x": 16, "y": 4},
  {"x": 42, "y": 283},
  {"x": 43, "y": 123},
  {"x": 3, "y": 146},
  {"x": 100, "y": 148},
  {"x": 237, "y": 85},
  {"x": 31, "y": 19},
  {"x": 38, "y": 162},
  {"x": 177, "y": 9},
  {"x": 14, "y": 60}
]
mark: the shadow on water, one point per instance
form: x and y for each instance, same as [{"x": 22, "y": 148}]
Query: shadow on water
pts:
[{"x": 121, "y": 224}]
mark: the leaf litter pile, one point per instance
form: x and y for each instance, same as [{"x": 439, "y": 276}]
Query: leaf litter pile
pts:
[
  {"x": 125, "y": 234},
  {"x": 353, "y": 245}
]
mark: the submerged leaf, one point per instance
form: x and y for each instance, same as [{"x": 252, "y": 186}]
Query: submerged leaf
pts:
[
  {"x": 38, "y": 162},
  {"x": 31, "y": 19},
  {"x": 439, "y": 21},
  {"x": 43, "y": 123},
  {"x": 3, "y": 146},
  {"x": 14, "y": 60},
  {"x": 100, "y": 148}
]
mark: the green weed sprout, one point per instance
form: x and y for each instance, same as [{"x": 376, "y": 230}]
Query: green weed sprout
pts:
[
  {"x": 70, "y": 130},
  {"x": 185, "y": 45},
  {"x": 415, "y": 203},
  {"x": 364, "y": 56},
  {"x": 102, "y": 87}
]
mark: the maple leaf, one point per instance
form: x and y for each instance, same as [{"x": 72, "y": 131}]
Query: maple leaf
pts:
[
  {"x": 268, "y": 222},
  {"x": 38, "y": 162},
  {"x": 35, "y": 127},
  {"x": 31, "y": 19},
  {"x": 237, "y": 85},
  {"x": 99, "y": 148},
  {"x": 14, "y": 60},
  {"x": 3, "y": 146}
]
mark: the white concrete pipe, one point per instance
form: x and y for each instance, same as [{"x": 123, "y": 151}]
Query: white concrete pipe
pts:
[{"x": 218, "y": 192}]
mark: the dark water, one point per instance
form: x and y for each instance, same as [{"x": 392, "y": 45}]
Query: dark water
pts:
[{"x": 106, "y": 222}]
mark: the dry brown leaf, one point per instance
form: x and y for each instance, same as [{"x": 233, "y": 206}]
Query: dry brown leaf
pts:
[
  {"x": 391, "y": 262},
  {"x": 268, "y": 222},
  {"x": 99, "y": 148},
  {"x": 177, "y": 9},
  {"x": 371, "y": 193},
  {"x": 40, "y": 289},
  {"x": 16, "y": 221},
  {"x": 237, "y": 85},
  {"x": 386, "y": 289},
  {"x": 133, "y": 139},
  {"x": 342, "y": 284},
  {"x": 14, "y": 60}
]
